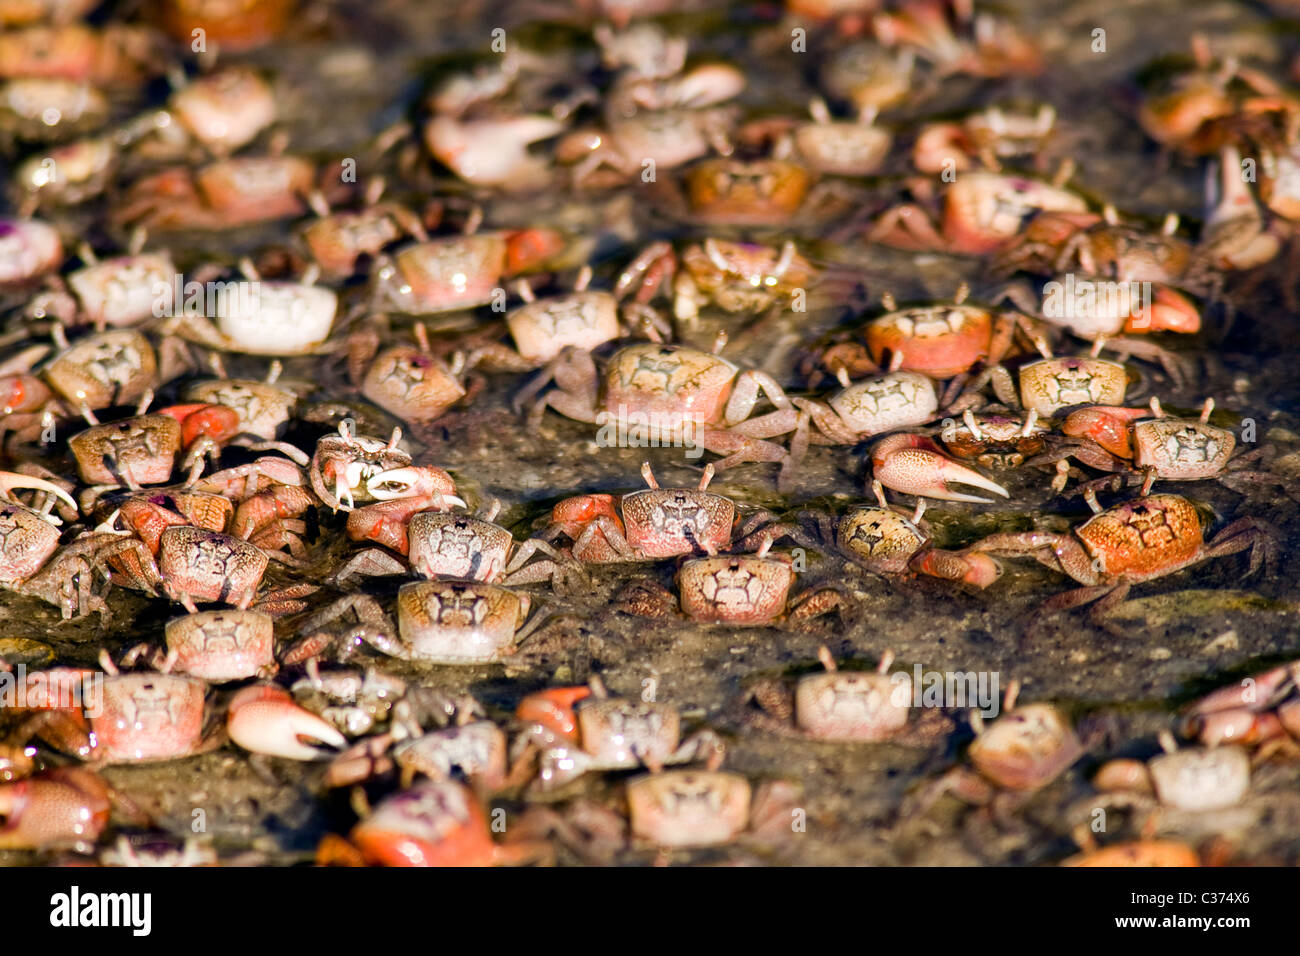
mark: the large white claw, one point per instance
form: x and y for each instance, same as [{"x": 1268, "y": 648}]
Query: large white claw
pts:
[{"x": 265, "y": 720}]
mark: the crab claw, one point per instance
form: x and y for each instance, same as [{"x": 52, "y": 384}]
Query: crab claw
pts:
[
  {"x": 265, "y": 720},
  {"x": 415, "y": 481},
  {"x": 11, "y": 480},
  {"x": 914, "y": 465}
]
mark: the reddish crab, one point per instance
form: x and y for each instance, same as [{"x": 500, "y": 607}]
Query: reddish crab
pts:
[
  {"x": 981, "y": 213},
  {"x": 1145, "y": 443},
  {"x": 674, "y": 395},
  {"x": 29, "y": 249},
  {"x": 747, "y": 590},
  {"x": 582, "y": 729},
  {"x": 951, "y": 35},
  {"x": 650, "y": 524},
  {"x": 989, "y": 136},
  {"x": 1262, "y": 711},
  {"x": 1026, "y": 749},
  {"x": 412, "y": 383},
  {"x": 750, "y": 193},
  {"x": 435, "y": 823},
  {"x": 1127, "y": 544},
  {"x": 221, "y": 195}
]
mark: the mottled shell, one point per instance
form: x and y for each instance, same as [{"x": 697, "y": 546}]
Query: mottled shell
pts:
[
  {"x": 262, "y": 408},
  {"x": 209, "y": 566},
  {"x": 26, "y": 542},
  {"x": 879, "y": 538},
  {"x": 275, "y": 318},
  {"x": 583, "y": 320},
  {"x": 411, "y": 384},
  {"x": 455, "y": 546},
  {"x": 674, "y": 386},
  {"x": 222, "y": 645},
  {"x": 1051, "y": 384},
  {"x": 109, "y": 368},
  {"x": 1143, "y": 538},
  {"x": 685, "y": 808},
  {"x": 667, "y": 522},
  {"x": 740, "y": 589},
  {"x": 886, "y": 402},
  {"x": 457, "y": 622},
  {"x": 442, "y": 275},
  {"x": 1182, "y": 449}
]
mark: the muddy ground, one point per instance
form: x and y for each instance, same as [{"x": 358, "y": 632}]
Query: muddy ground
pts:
[{"x": 363, "y": 66}]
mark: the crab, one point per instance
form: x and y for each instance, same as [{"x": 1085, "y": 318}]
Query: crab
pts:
[
  {"x": 114, "y": 367},
  {"x": 577, "y": 730},
  {"x": 582, "y": 319},
  {"x": 869, "y": 76},
  {"x": 748, "y": 590},
  {"x": 338, "y": 241},
  {"x": 680, "y": 809},
  {"x": 31, "y": 560},
  {"x": 1262, "y": 711},
  {"x": 852, "y": 147},
  {"x": 847, "y": 706},
  {"x": 681, "y": 395},
  {"x": 940, "y": 341},
  {"x": 440, "y": 622},
  {"x": 1192, "y": 779},
  {"x": 120, "y": 291},
  {"x": 222, "y": 646},
  {"x": 1199, "y": 110},
  {"x": 433, "y": 823},
  {"x": 737, "y": 277},
  {"x": 1023, "y": 751},
  {"x": 401, "y": 493},
  {"x": 990, "y": 136},
  {"x": 650, "y": 524},
  {"x": 344, "y": 463},
  {"x": 114, "y": 57},
  {"x": 1145, "y": 444},
  {"x": 68, "y": 174},
  {"x": 1132, "y": 542},
  {"x": 63, "y": 806},
  {"x": 31, "y": 249},
  {"x": 441, "y": 274},
  {"x": 27, "y": 105},
  {"x": 246, "y": 26},
  {"x": 994, "y": 440},
  {"x": 758, "y": 193},
  {"x": 409, "y": 381},
  {"x": 955, "y": 39},
  {"x": 981, "y": 213},
  {"x": 224, "y": 194},
  {"x": 149, "y": 716},
  {"x": 220, "y": 112},
  {"x": 263, "y": 408},
  {"x": 254, "y": 316},
  {"x": 889, "y": 540}
]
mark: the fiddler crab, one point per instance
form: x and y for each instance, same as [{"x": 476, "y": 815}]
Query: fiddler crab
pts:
[
  {"x": 843, "y": 705},
  {"x": 1024, "y": 750},
  {"x": 1132, "y": 542},
  {"x": 1145, "y": 444},
  {"x": 681, "y": 394},
  {"x": 577, "y": 730},
  {"x": 1261, "y": 711}
]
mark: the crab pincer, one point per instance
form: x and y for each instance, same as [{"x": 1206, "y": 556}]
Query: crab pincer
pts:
[
  {"x": 264, "y": 719},
  {"x": 915, "y": 465}
]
